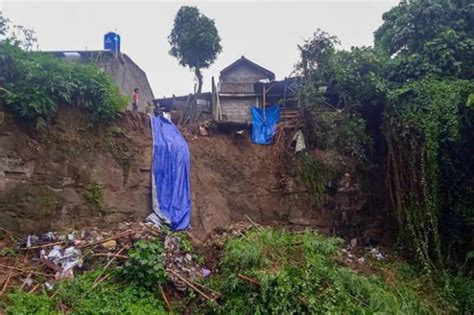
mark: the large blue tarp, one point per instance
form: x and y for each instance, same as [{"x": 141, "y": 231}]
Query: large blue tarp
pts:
[
  {"x": 264, "y": 122},
  {"x": 170, "y": 175}
]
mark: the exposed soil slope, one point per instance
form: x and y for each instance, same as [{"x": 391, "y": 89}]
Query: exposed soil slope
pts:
[
  {"x": 232, "y": 178},
  {"x": 70, "y": 176}
]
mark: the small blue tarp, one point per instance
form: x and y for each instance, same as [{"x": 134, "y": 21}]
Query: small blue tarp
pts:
[
  {"x": 264, "y": 123},
  {"x": 170, "y": 175}
]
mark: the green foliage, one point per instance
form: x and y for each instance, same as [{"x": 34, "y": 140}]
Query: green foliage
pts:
[
  {"x": 428, "y": 38},
  {"x": 336, "y": 118},
  {"x": 352, "y": 139},
  {"x": 3, "y": 24},
  {"x": 93, "y": 195},
  {"x": 78, "y": 297},
  {"x": 315, "y": 174},
  {"x": 329, "y": 129},
  {"x": 17, "y": 35},
  {"x": 463, "y": 293},
  {"x": 185, "y": 244},
  {"x": 146, "y": 266},
  {"x": 37, "y": 83},
  {"x": 421, "y": 123},
  {"x": 317, "y": 56},
  {"x": 194, "y": 40},
  {"x": 299, "y": 274},
  {"x": 8, "y": 251},
  {"x": 405, "y": 107}
]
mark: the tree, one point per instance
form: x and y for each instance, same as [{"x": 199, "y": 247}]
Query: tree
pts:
[
  {"x": 16, "y": 35},
  {"x": 194, "y": 41},
  {"x": 428, "y": 38},
  {"x": 414, "y": 90},
  {"x": 3, "y": 24}
]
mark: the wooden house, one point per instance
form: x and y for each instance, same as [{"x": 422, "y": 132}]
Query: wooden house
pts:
[
  {"x": 244, "y": 84},
  {"x": 241, "y": 85}
]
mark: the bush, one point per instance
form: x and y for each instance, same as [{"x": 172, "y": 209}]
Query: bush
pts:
[
  {"x": 146, "y": 266},
  {"x": 36, "y": 84},
  {"x": 463, "y": 293}
]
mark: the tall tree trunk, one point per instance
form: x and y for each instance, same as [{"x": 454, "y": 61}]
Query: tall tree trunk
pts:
[{"x": 198, "y": 74}]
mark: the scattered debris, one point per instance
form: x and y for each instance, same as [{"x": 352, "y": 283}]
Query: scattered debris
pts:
[
  {"x": 377, "y": 254},
  {"x": 203, "y": 130},
  {"x": 110, "y": 245},
  {"x": 47, "y": 258},
  {"x": 179, "y": 262}
]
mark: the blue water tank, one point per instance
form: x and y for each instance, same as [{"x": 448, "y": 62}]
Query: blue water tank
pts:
[{"x": 112, "y": 41}]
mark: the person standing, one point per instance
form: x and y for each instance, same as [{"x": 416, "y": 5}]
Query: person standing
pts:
[{"x": 135, "y": 99}]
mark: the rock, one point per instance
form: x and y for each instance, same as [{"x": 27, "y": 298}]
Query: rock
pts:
[{"x": 110, "y": 245}]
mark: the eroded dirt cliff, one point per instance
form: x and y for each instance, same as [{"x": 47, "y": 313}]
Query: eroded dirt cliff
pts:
[{"x": 68, "y": 175}]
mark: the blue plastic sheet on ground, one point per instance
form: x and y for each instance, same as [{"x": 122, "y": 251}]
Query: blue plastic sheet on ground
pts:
[
  {"x": 171, "y": 193},
  {"x": 264, "y": 123}
]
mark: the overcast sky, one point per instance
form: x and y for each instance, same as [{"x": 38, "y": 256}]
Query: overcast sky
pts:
[{"x": 265, "y": 32}]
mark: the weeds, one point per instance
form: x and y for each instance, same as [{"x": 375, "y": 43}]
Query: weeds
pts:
[
  {"x": 78, "y": 297},
  {"x": 185, "y": 243},
  {"x": 315, "y": 175},
  {"x": 93, "y": 195},
  {"x": 300, "y": 273},
  {"x": 266, "y": 271},
  {"x": 145, "y": 266}
]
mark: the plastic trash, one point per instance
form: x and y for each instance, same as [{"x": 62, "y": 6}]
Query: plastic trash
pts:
[
  {"x": 28, "y": 282},
  {"x": 205, "y": 272},
  {"x": 30, "y": 240},
  {"x": 50, "y": 236},
  {"x": 49, "y": 286},
  {"x": 55, "y": 254},
  {"x": 71, "y": 237}
]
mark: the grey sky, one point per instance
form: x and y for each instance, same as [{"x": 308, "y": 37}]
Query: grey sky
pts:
[{"x": 265, "y": 32}]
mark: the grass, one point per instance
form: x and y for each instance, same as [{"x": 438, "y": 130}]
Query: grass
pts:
[
  {"x": 302, "y": 273},
  {"x": 78, "y": 297},
  {"x": 291, "y": 273}
]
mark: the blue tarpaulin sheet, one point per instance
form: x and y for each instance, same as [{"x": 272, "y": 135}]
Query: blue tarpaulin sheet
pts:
[
  {"x": 171, "y": 193},
  {"x": 264, "y": 123}
]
